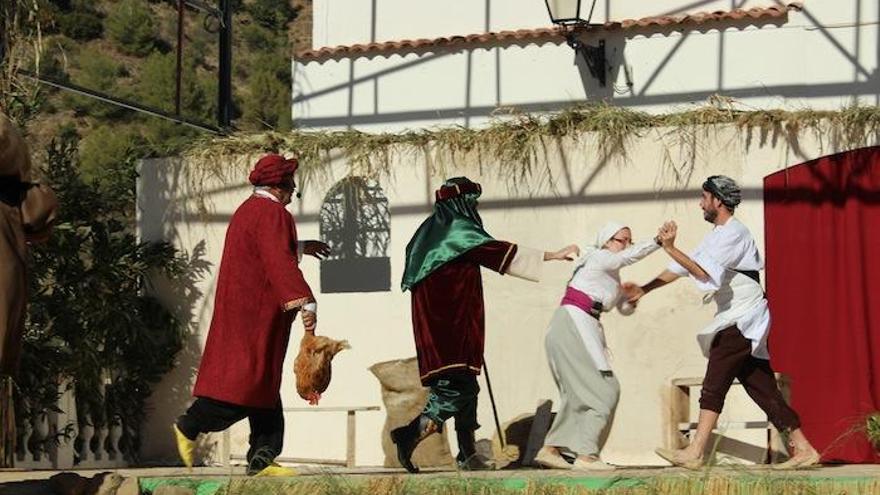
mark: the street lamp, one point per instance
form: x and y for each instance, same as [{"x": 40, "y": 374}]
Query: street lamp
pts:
[
  {"x": 568, "y": 12},
  {"x": 568, "y": 15}
]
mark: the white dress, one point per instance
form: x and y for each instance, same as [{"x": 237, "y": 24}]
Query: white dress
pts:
[{"x": 598, "y": 276}]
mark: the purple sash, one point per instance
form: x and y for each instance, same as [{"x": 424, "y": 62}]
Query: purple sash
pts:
[{"x": 578, "y": 299}]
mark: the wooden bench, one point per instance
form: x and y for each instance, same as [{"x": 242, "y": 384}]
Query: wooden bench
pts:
[
  {"x": 680, "y": 422},
  {"x": 350, "y": 430}
]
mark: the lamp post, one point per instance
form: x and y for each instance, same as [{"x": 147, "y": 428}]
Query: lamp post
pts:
[{"x": 569, "y": 15}]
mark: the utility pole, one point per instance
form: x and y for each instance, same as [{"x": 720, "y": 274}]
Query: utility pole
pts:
[{"x": 224, "y": 93}]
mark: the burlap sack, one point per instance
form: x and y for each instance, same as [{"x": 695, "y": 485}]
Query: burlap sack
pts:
[{"x": 404, "y": 397}]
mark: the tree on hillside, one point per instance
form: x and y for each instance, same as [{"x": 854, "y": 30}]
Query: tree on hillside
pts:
[
  {"x": 132, "y": 26},
  {"x": 272, "y": 14}
]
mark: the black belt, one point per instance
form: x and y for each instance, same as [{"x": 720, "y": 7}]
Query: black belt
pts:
[
  {"x": 596, "y": 309},
  {"x": 752, "y": 274}
]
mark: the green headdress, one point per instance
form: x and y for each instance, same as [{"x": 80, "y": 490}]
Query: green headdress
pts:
[{"x": 454, "y": 228}]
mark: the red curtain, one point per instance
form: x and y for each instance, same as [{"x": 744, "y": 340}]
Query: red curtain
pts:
[{"x": 822, "y": 221}]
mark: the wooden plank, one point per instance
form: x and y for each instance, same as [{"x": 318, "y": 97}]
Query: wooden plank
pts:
[
  {"x": 226, "y": 447},
  {"x": 540, "y": 427},
  {"x": 679, "y": 412},
  {"x": 695, "y": 381},
  {"x": 331, "y": 409},
  {"x": 351, "y": 437},
  {"x": 776, "y": 449},
  {"x": 731, "y": 425},
  {"x": 298, "y": 460}
]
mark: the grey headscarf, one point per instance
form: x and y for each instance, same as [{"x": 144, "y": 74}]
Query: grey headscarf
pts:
[{"x": 725, "y": 189}]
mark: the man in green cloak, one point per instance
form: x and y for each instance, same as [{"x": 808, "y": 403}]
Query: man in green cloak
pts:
[{"x": 442, "y": 273}]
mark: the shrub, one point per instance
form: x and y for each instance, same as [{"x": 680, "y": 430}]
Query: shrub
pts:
[
  {"x": 272, "y": 14},
  {"x": 97, "y": 72},
  {"x": 267, "y": 104},
  {"x": 132, "y": 26},
  {"x": 81, "y": 26},
  {"x": 90, "y": 317}
]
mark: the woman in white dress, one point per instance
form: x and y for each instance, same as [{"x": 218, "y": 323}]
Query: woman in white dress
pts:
[{"x": 577, "y": 353}]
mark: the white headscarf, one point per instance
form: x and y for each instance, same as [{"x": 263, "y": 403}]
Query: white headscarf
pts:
[{"x": 607, "y": 232}]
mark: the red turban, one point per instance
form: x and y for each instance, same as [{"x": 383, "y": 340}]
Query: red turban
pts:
[{"x": 271, "y": 170}]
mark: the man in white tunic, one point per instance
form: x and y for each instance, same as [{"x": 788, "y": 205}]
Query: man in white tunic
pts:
[{"x": 726, "y": 264}]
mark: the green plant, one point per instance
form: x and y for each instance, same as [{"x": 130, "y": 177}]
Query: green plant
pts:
[
  {"x": 81, "y": 25},
  {"x": 267, "y": 103},
  {"x": 52, "y": 66},
  {"x": 272, "y": 14},
  {"x": 97, "y": 72},
  {"x": 156, "y": 87},
  {"x": 91, "y": 317},
  {"x": 872, "y": 429},
  {"x": 20, "y": 26},
  {"x": 105, "y": 154},
  {"x": 132, "y": 26},
  {"x": 259, "y": 39}
]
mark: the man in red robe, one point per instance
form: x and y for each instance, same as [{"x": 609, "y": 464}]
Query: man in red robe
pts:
[
  {"x": 442, "y": 271},
  {"x": 260, "y": 289}
]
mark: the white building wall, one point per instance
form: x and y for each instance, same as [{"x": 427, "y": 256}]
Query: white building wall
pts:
[
  {"x": 824, "y": 57},
  {"x": 650, "y": 348}
]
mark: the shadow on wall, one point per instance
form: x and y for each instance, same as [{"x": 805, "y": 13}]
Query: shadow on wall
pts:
[
  {"x": 356, "y": 224},
  {"x": 158, "y": 213},
  {"x": 638, "y": 90}
]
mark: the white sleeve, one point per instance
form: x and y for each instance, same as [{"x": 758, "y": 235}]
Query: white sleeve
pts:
[
  {"x": 613, "y": 261},
  {"x": 720, "y": 250},
  {"x": 526, "y": 264},
  {"x": 729, "y": 247},
  {"x": 712, "y": 268}
]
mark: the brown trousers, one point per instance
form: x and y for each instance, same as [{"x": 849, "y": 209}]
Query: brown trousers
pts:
[{"x": 731, "y": 357}]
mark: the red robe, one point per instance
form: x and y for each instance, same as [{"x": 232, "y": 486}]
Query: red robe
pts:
[
  {"x": 447, "y": 311},
  {"x": 258, "y": 288}
]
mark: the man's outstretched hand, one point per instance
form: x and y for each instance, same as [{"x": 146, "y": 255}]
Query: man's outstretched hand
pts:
[
  {"x": 568, "y": 253},
  {"x": 317, "y": 249},
  {"x": 632, "y": 292}
]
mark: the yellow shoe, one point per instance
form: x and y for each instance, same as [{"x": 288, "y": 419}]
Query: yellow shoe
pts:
[
  {"x": 185, "y": 447},
  {"x": 277, "y": 470}
]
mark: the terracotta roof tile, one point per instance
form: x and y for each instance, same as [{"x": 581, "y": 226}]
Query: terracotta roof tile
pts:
[{"x": 641, "y": 26}]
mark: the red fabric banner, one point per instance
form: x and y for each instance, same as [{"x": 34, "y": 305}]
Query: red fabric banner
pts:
[{"x": 822, "y": 232}]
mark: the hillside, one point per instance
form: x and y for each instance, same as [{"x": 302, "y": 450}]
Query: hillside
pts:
[{"x": 127, "y": 48}]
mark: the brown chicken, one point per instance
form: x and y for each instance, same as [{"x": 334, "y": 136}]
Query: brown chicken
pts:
[{"x": 312, "y": 365}]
